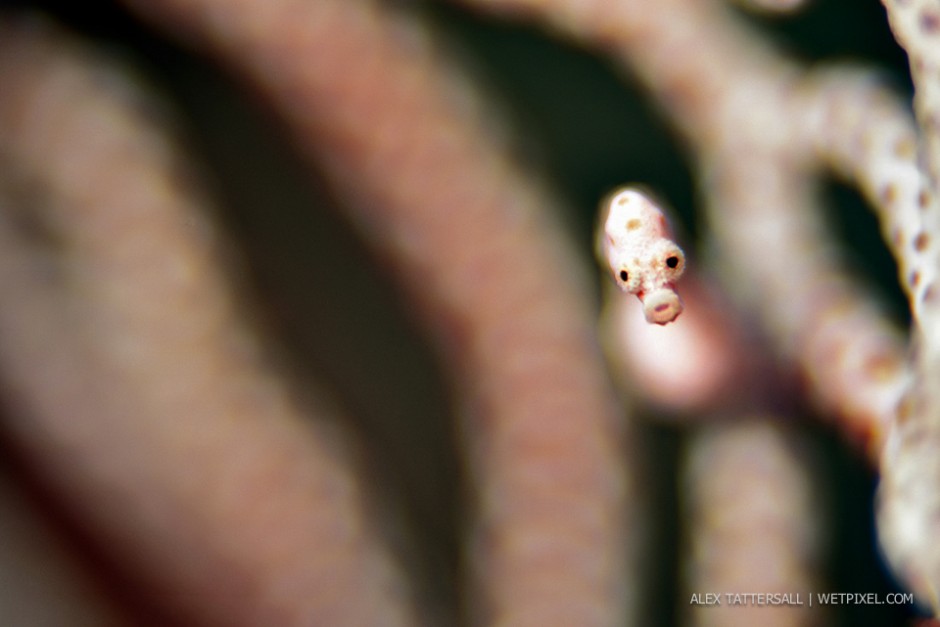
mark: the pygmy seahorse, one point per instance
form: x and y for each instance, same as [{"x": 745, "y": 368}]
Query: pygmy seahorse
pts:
[{"x": 635, "y": 242}]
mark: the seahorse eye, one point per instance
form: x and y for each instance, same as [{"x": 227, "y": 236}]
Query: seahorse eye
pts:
[
  {"x": 672, "y": 262},
  {"x": 624, "y": 276}
]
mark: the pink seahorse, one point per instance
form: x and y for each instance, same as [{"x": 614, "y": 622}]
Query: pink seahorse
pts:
[{"x": 635, "y": 242}]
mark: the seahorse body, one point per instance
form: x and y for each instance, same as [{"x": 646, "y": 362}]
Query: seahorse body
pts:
[{"x": 635, "y": 242}]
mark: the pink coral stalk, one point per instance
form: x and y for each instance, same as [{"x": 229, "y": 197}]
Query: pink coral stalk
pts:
[
  {"x": 751, "y": 511},
  {"x": 736, "y": 100},
  {"x": 136, "y": 393},
  {"x": 739, "y": 103},
  {"x": 476, "y": 247}
]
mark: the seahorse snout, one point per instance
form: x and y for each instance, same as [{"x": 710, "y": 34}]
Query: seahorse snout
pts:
[{"x": 661, "y": 306}]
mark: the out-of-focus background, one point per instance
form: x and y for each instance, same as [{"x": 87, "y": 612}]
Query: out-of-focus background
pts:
[{"x": 582, "y": 125}]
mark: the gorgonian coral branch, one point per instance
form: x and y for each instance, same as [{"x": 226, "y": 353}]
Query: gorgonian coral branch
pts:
[
  {"x": 751, "y": 510},
  {"x": 898, "y": 167},
  {"x": 735, "y": 100},
  {"x": 475, "y": 245},
  {"x": 740, "y": 105},
  {"x": 817, "y": 315},
  {"x": 862, "y": 130},
  {"x": 135, "y": 391},
  {"x": 916, "y": 25},
  {"x": 866, "y": 135}
]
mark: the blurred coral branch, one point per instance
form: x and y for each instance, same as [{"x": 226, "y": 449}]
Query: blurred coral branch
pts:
[
  {"x": 143, "y": 402},
  {"x": 451, "y": 215}
]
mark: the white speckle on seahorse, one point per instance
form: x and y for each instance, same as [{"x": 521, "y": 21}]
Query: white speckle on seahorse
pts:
[{"x": 635, "y": 242}]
